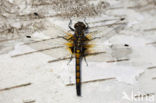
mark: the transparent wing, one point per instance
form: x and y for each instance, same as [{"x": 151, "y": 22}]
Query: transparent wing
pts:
[{"x": 101, "y": 51}]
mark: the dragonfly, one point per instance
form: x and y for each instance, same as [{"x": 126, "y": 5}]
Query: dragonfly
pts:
[
  {"x": 78, "y": 45},
  {"x": 83, "y": 42}
]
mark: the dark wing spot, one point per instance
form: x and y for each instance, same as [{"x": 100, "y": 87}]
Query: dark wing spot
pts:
[
  {"x": 36, "y": 14},
  {"x": 28, "y": 36},
  {"x": 122, "y": 19},
  {"x": 126, "y": 45}
]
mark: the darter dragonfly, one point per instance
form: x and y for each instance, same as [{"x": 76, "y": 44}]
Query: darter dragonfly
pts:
[{"x": 100, "y": 52}]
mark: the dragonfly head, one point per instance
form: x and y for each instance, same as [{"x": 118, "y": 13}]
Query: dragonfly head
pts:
[{"x": 80, "y": 26}]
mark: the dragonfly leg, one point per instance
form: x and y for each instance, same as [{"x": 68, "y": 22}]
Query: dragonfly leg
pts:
[
  {"x": 70, "y": 59},
  {"x": 87, "y": 26},
  {"x": 69, "y": 25},
  {"x": 95, "y": 38},
  {"x": 85, "y": 60},
  {"x": 62, "y": 37}
]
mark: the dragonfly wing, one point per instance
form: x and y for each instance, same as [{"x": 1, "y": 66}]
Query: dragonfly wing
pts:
[
  {"x": 102, "y": 44},
  {"x": 54, "y": 45}
]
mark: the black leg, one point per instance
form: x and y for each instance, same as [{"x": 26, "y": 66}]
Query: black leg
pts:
[
  {"x": 70, "y": 59},
  {"x": 69, "y": 25},
  {"x": 87, "y": 26},
  {"x": 94, "y": 38},
  {"x": 85, "y": 60}
]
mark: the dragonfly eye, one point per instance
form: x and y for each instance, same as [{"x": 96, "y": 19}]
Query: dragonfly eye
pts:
[
  {"x": 80, "y": 25},
  {"x": 76, "y": 25},
  {"x": 83, "y": 26}
]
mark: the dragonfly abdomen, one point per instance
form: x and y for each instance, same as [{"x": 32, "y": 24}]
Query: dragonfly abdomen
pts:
[{"x": 78, "y": 72}]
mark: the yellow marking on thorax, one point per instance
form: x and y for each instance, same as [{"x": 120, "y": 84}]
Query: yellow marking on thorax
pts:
[
  {"x": 69, "y": 44},
  {"x": 69, "y": 35},
  {"x": 78, "y": 51},
  {"x": 89, "y": 36},
  {"x": 68, "y": 47}
]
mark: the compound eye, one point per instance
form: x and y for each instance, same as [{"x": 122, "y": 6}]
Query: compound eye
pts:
[
  {"x": 83, "y": 26},
  {"x": 76, "y": 25}
]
